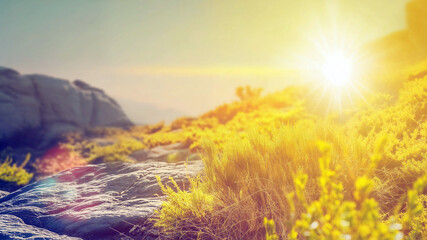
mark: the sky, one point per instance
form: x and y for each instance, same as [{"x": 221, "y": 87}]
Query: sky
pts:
[{"x": 164, "y": 58}]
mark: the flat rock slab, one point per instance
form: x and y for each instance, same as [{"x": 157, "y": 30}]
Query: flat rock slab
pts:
[{"x": 102, "y": 201}]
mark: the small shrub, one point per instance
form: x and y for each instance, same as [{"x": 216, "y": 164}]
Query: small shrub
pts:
[
  {"x": 181, "y": 208},
  {"x": 270, "y": 230},
  {"x": 331, "y": 217},
  {"x": 118, "y": 150},
  {"x": 414, "y": 219},
  {"x": 11, "y": 173},
  {"x": 246, "y": 93}
]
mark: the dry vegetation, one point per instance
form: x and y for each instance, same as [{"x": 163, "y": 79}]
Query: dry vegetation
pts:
[
  {"x": 265, "y": 161},
  {"x": 276, "y": 169}
]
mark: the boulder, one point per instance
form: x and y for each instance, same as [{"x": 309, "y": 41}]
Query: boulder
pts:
[
  {"x": 36, "y": 109},
  {"x": 104, "y": 201}
]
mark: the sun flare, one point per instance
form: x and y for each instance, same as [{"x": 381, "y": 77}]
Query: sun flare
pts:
[
  {"x": 335, "y": 80},
  {"x": 337, "y": 70}
]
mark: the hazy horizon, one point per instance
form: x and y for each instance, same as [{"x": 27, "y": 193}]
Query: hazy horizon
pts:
[{"x": 188, "y": 56}]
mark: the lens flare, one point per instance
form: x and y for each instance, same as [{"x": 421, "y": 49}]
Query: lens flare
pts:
[
  {"x": 333, "y": 75},
  {"x": 337, "y": 70}
]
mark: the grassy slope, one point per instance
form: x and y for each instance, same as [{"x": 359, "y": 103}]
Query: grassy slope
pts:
[
  {"x": 254, "y": 159},
  {"x": 261, "y": 160}
]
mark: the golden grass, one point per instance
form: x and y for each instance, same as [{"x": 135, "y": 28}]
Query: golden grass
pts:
[
  {"x": 259, "y": 164},
  {"x": 261, "y": 161}
]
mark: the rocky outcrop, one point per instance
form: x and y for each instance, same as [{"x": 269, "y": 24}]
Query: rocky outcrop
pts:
[
  {"x": 35, "y": 109},
  {"x": 105, "y": 201},
  {"x": 416, "y": 11},
  {"x": 401, "y": 48}
]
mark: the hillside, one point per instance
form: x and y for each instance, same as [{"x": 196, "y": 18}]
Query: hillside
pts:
[
  {"x": 260, "y": 157},
  {"x": 261, "y": 160},
  {"x": 293, "y": 120},
  {"x": 276, "y": 156}
]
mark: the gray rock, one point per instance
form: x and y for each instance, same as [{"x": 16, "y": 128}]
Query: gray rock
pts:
[
  {"x": 19, "y": 107},
  {"x": 13, "y": 228},
  {"x": 176, "y": 152},
  {"x": 95, "y": 201},
  {"x": 3, "y": 193},
  {"x": 42, "y": 107}
]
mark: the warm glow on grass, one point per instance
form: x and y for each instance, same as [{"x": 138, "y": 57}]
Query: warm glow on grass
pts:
[{"x": 337, "y": 70}]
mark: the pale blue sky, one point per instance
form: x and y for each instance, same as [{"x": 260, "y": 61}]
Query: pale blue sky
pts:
[{"x": 186, "y": 55}]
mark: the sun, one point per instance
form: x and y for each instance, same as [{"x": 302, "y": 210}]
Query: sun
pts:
[
  {"x": 337, "y": 70},
  {"x": 334, "y": 77}
]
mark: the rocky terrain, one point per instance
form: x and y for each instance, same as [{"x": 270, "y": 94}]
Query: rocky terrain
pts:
[
  {"x": 104, "y": 201},
  {"x": 36, "y": 109},
  {"x": 111, "y": 200}
]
